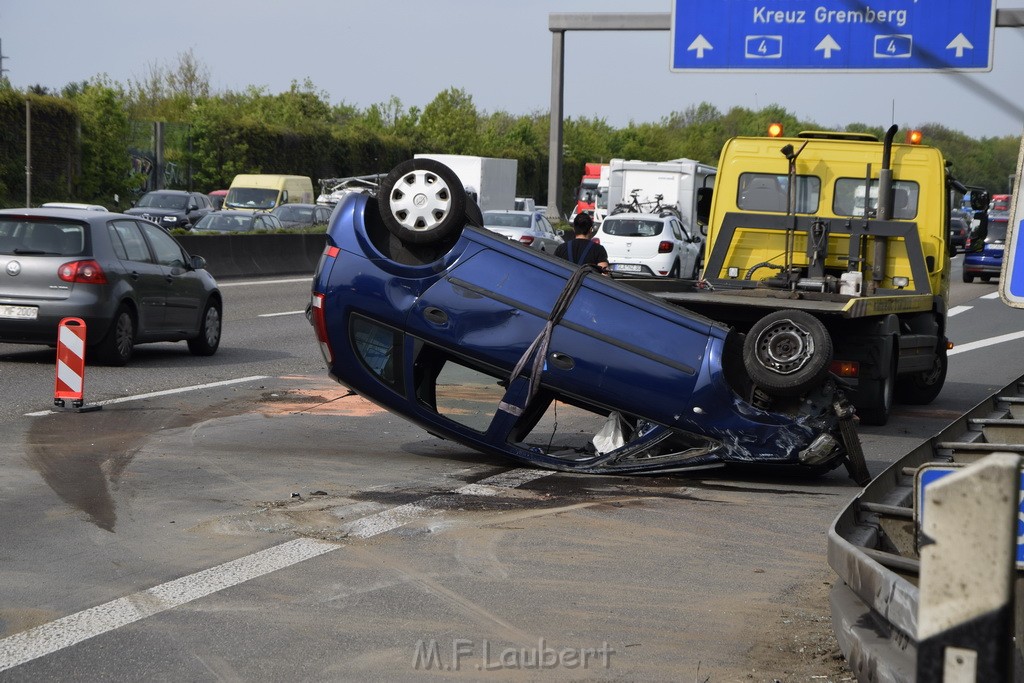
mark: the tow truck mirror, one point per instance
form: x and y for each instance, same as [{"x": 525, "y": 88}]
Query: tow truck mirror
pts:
[
  {"x": 980, "y": 200},
  {"x": 704, "y": 195}
]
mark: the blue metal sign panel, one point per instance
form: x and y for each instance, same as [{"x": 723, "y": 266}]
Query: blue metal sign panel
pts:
[
  {"x": 1011, "y": 281},
  {"x": 833, "y": 35},
  {"x": 929, "y": 474}
]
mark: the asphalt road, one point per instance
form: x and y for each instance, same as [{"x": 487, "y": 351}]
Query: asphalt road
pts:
[{"x": 275, "y": 527}]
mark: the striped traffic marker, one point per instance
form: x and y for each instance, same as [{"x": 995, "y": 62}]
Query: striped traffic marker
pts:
[{"x": 71, "y": 364}]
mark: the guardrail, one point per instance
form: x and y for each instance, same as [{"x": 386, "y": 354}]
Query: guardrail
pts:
[
  {"x": 873, "y": 543},
  {"x": 252, "y": 255}
]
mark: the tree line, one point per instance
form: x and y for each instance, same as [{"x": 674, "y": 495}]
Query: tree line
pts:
[{"x": 89, "y": 139}]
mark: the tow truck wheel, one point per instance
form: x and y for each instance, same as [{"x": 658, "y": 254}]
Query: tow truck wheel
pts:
[
  {"x": 787, "y": 352},
  {"x": 421, "y": 201},
  {"x": 921, "y": 388},
  {"x": 875, "y": 397}
]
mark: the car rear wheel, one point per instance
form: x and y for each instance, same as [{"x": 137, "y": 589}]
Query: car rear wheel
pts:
[
  {"x": 421, "y": 201},
  {"x": 787, "y": 352},
  {"x": 116, "y": 347},
  {"x": 208, "y": 339},
  {"x": 968, "y": 277},
  {"x": 675, "y": 270}
]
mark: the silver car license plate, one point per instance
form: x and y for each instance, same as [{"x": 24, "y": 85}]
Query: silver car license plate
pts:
[
  {"x": 629, "y": 267},
  {"x": 19, "y": 312}
]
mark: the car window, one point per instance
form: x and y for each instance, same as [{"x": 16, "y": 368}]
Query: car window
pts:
[
  {"x": 848, "y": 198},
  {"x": 506, "y": 220},
  {"x": 996, "y": 231},
  {"x": 168, "y": 252},
  {"x": 379, "y": 349},
  {"x": 676, "y": 230},
  {"x": 132, "y": 241},
  {"x": 43, "y": 237},
  {"x": 768, "y": 192},
  {"x": 632, "y": 227}
]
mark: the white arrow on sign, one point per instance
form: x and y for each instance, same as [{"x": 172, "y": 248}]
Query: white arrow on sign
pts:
[
  {"x": 827, "y": 45},
  {"x": 960, "y": 43},
  {"x": 700, "y": 43}
]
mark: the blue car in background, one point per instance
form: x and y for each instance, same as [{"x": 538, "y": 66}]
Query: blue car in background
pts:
[
  {"x": 515, "y": 353},
  {"x": 983, "y": 253}
]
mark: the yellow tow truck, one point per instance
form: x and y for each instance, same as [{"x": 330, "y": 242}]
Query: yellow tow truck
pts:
[{"x": 830, "y": 250}]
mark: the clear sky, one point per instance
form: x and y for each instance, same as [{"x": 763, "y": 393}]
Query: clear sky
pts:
[{"x": 499, "y": 51}]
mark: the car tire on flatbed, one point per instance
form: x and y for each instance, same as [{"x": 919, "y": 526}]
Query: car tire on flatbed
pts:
[{"x": 422, "y": 201}]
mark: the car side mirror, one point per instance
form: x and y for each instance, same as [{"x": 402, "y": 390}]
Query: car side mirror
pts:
[
  {"x": 197, "y": 263},
  {"x": 193, "y": 207}
]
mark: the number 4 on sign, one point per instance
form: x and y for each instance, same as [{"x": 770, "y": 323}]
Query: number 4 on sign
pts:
[{"x": 764, "y": 47}]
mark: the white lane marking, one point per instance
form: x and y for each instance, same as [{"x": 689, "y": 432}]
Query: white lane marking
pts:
[
  {"x": 49, "y": 638},
  {"x": 971, "y": 346},
  {"x": 73, "y": 629},
  {"x": 958, "y": 309},
  {"x": 274, "y": 315},
  {"x": 993, "y": 295},
  {"x": 265, "y": 282},
  {"x": 165, "y": 392}
]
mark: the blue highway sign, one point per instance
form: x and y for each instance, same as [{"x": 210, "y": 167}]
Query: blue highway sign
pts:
[
  {"x": 833, "y": 35},
  {"x": 1011, "y": 281}
]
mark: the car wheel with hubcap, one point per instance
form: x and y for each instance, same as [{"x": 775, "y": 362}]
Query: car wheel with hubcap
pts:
[
  {"x": 208, "y": 339},
  {"x": 422, "y": 201},
  {"x": 116, "y": 346}
]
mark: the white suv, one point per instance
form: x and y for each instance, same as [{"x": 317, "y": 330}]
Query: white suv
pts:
[{"x": 646, "y": 244}]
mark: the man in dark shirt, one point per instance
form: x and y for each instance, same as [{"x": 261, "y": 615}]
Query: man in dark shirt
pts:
[{"x": 582, "y": 250}]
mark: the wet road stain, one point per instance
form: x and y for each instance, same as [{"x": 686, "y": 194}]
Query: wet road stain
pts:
[{"x": 83, "y": 457}]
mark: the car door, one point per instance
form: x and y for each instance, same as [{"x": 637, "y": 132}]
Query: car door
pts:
[
  {"x": 551, "y": 240},
  {"x": 492, "y": 306},
  {"x": 185, "y": 291},
  {"x": 688, "y": 249},
  {"x": 145, "y": 276}
]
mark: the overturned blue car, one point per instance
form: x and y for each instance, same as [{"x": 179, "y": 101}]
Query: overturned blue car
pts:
[{"x": 516, "y": 353}]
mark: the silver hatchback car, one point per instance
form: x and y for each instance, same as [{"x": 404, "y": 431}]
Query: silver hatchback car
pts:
[
  {"x": 529, "y": 228},
  {"x": 128, "y": 279}
]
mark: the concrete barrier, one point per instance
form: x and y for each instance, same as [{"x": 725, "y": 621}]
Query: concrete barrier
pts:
[{"x": 257, "y": 255}]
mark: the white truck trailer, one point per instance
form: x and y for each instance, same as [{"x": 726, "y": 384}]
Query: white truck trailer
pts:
[
  {"x": 491, "y": 182},
  {"x": 678, "y": 181}
]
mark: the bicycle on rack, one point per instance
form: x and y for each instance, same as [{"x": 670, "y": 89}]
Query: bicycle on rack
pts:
[
  {"x": 660, "y": 209},
  {"x": 632, "y": 206}
]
